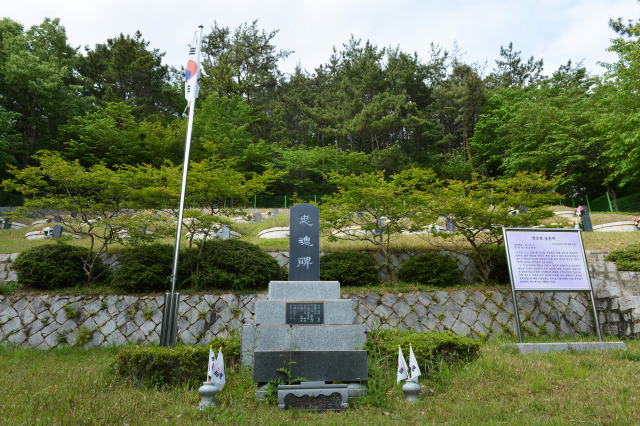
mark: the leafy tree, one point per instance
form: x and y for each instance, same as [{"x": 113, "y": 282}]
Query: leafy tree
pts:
[
  {"x": 243, "y": 63},
  {"x": 124, "y": 69},
  {"x": 553, "y": 128},
  {"x": 621, "y": 116},
  {"x": 9, "y": 140},
  {"x": 106, "y": 202},
  {"x": 373, "y": 208},
  {"x": 479, "y": 209},
  {"x": 38, "y": 82},
  {"x": 512, "y": 72}
]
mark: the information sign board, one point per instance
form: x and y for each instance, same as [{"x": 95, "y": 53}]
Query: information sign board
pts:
[{"x": 546, "y": 259}]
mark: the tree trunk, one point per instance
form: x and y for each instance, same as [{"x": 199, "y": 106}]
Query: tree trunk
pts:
[{"x": 612, "y": 196}]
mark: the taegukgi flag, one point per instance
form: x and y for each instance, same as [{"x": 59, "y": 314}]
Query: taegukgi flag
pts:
[
  {"x": 211, "y": 365},
  {"x": 413, "y": 365},
  {"x": 402, "y": 366},
  {"x": 217, "y": 376},
  {"x": 192, "y": 72}
]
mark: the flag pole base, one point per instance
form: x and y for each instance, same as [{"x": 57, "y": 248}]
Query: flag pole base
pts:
[
  {"x": 207, "y": 391},
  {"x": 411, "y": 389}
]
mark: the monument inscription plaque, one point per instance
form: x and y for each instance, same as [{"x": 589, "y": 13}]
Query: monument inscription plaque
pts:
[
  {"x": 305, "y": 313},
  {"x": 304, "y": 243}
]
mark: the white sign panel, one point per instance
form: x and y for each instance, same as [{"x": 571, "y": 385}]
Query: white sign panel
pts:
[{"x": 546, "y": 259}]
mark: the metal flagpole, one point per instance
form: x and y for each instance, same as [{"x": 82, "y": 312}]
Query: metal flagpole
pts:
[{"x": 170, "y": 313}]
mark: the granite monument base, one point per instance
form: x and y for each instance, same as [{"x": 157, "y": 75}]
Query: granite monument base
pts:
[{"x": 313, "y": 396}]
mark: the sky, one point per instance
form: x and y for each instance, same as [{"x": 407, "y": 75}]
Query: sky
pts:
[{"x": 554, "y": 30}]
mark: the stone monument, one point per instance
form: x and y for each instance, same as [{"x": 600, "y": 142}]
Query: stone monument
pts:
[
  {"x": 7, "y": 223},
  {"x": 450, "y": 226},
  {"x": 305, "y": 329},
  {"x": 257, "y": 218},
  {"x": 57, "y": 231},
  {"x": 587, "y": 226}
]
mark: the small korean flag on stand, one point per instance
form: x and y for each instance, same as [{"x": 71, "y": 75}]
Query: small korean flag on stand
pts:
[
  {"x": 211, "y": 365},
  {"x": 217, "y": 375},
  {"x": 413, "y": 365},
  {"x": 192, "y": 72},
  {"x": 402, "y": 366}
]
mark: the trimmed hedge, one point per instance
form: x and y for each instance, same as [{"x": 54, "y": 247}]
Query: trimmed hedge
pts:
[
  {"x": 54, "y": 266},
  {"x": 232, "y": 264},
  {"x": 147, "y": 268},
  {"x": 428, "y": 347},
  {"x": 181, "y": 365},
  {"x": 627, "y": 259},
  {"x": 438, "y": 270},
  {"x": 349, "y": 268}
]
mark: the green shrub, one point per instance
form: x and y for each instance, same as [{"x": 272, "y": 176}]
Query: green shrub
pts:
[
  {"x": 8, "y": 288},
  {"x": 231, "y": 264},
  {"x": 350, "y": 268},
  {"x": 54, "y": 266},
  {"x": 428, "y": 347},
  {"x": 439, "y": 270},
  {"x": 147, "y": 268},
  {"x": 180, "y": 365},
  {"x": 627, "y": 259}
]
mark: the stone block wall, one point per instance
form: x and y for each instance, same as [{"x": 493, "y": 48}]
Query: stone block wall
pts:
[
  {"x": 48, "y": 321},
  {"x": 45, "y": 322}
]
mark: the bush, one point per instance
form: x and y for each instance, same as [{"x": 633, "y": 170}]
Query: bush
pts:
[
  {"x": 349, "y": 268},
  {"x": 439, "y": 270},
  {"x": 232, "y": 264},
  {"x": 180, "y": 365},
  {"x": 147, "y": 268},
  {"x": 428, "y": 347},
  {"x": 627, "y": 259},
  {"x": 54, "y": 266}
]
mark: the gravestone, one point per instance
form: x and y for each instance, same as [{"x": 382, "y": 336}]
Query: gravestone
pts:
[
  {"x": 57, "y": 231},
  {"x": 57, "y": 218},
  {"x": 305, "y": 327},
  {"x": 523, "y": 209},
  {"x": 359, "y": 214},
  {"x": 257, "y": 218},
  {"x": 587, "y": 226},
  {"x": 451, "y": 227},
  {"x": 74, "y": 214},
  {"x": 225, "y": 232},
  {"x": 276, "y": 212},
  {"x": 304, "y": 243},
  {"x": 157, "y": 216},
  {"x": 142, "y": 230},
  {"x": 7, "y": 223}
]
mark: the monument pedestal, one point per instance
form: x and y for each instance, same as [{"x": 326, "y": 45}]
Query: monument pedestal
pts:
[{"x": 307, "y": 329}]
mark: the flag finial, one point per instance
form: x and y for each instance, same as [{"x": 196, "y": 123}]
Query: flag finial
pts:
[
  {"x": 220, "y": 347},
  {"x": 210, "y": 346}
]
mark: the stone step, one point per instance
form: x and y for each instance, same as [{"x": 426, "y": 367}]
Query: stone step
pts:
[
  {"x": 273, "y": 312},
  {"x": 304, "y": 290},
  {"x": 305, "y": 337},
  {"x": 321, "y": 365}
]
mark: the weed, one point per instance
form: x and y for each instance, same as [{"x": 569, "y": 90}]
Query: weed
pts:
[
  {"x": 147, "y": 313},
  {"x": 103, "y": 305},
  {"x": 440, "y": 316},
  {"x": 84, "y": 335},
  {"x": 70, "y": 311},
  {"x": 8, "y": 288},
  {"x": 61, "y": 338},
  {"x": 202, "y": 315},
  {"x": 235, "y": 311}
]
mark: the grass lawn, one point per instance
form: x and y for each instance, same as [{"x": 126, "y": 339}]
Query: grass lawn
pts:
[{"x": 75, "y": 386}]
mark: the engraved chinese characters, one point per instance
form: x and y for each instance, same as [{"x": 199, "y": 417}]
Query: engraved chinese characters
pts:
[
  {"x": 305, "y": 313},
  {"x": 304, "y": 243}
]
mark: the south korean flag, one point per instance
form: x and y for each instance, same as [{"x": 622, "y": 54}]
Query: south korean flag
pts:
[
  {"x": 211, "y": 365},
  {"x": 413, "y": 365},
  {"x": 192, "y": 70},
  {"x": 402, "y": 366},
  {"x": 217, "y": 375}
]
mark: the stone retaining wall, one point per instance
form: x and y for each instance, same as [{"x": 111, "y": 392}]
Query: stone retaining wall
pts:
[{"x": 51, "y": 321}]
